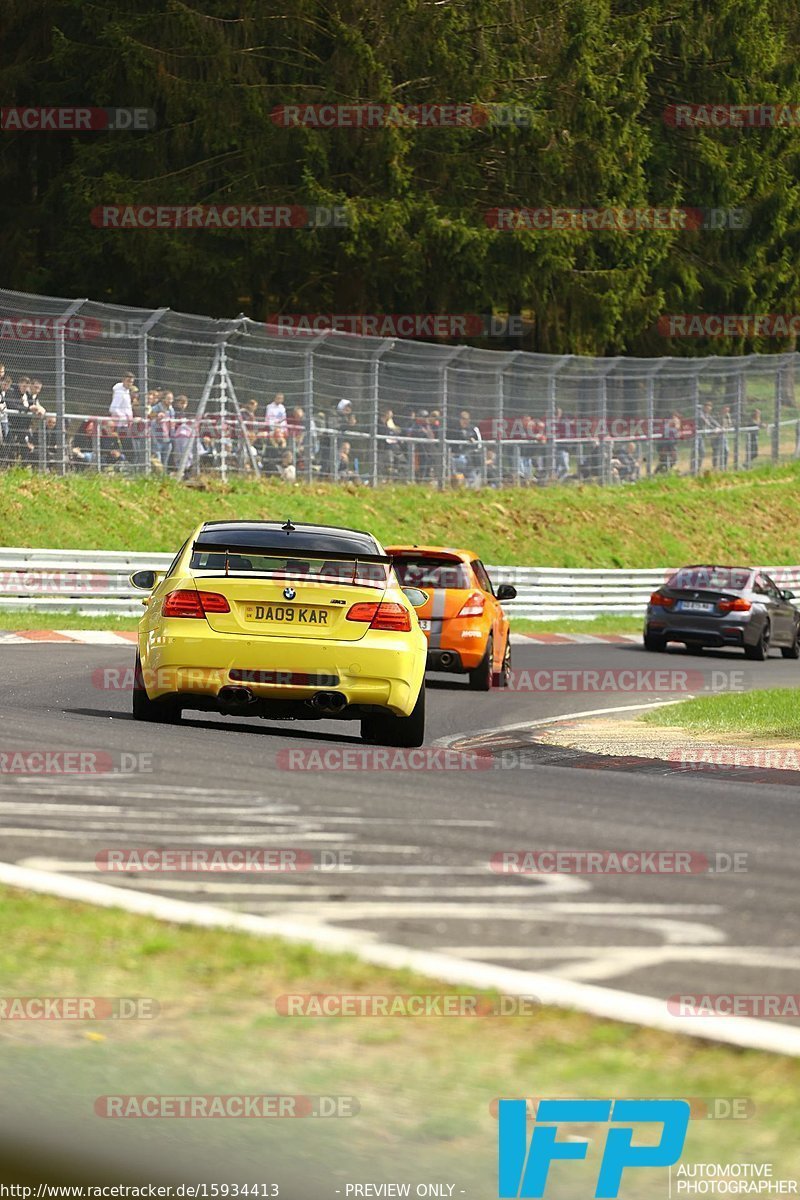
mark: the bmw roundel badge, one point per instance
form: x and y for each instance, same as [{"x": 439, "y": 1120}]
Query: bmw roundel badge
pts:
[{"x": 289, "y": 593}]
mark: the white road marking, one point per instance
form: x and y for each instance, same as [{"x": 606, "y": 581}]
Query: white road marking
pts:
[{"x": 607, "y": 1003}]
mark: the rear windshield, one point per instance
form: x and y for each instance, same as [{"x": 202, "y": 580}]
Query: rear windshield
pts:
[
  {"x": 715, "y": 579},
  {"x": 304, "y": 568},
  {"x": 431, "y": 572}
]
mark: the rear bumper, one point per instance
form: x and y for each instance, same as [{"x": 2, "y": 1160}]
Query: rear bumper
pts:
[
  {"x": 381, "y": 669},
  {"x": 736, "y": 629},
  {"x": 445, "y": 660},
  {"x": 464, "y": 639}
]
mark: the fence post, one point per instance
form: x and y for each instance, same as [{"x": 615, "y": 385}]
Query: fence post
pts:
[
  {"x": 144, "y": 382},
  {"x": 376, "y": 367},
  {"x": 445, "y": 404},
  {"x": 776, "y": 428},
  {"x": 695, "y": 466},
  {"x": 651, "y": 387},
  {"x": 738, "y": 416},
  {"x": 61, "y": 382}
]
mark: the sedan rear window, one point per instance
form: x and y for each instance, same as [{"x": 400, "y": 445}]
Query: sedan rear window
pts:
[
  {"x": 714, "y": 579},
  {"x": 308, "y": 569},
  {"x": 431, "y": 572}
]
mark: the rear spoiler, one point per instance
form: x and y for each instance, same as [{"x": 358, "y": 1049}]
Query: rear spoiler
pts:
[{"x": 281, "y": 550}]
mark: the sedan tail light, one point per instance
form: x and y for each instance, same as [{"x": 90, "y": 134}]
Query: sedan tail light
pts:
[
  {"x": 387, "y": 614},
  {"x": 186, "y": 603},
  {"x": 737, "y": 605},
  {"x": 662, "y": 601},
  {"x": 473, "y": 607}
]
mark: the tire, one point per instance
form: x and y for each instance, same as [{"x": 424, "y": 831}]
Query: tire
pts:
[
  {"x": 654, "y": 642},
  {"x": 792, "y": 651},
  {"x": 165, "y": 712},
  {"x": 482, "y": 676},
  {"x": 502, "y": 678},
  {"x": 760, "y": 651},
  {"x": 388, "y": 730}
]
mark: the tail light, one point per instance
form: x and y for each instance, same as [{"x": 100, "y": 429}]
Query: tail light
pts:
[
  {"x": 473, "y": 607},
  {"x": 187, "y": 603},
  {"x": 387, "y": 614},
  {"x": 663, "y": 601},
  {"x": 737, "y": 605}
]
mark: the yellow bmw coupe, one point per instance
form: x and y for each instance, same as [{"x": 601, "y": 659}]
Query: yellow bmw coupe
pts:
[{"x": 254, "y": 618}]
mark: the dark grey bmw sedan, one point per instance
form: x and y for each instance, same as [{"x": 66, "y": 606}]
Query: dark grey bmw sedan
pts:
[{"x": 723, "y": 606}]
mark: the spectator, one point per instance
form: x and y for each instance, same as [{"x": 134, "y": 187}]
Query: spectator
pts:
[
  {"x": 161, "y": 418},
  {"x": 112, "y": 454},
  {"x": 668, "y": 445},
  {"x": 752, "y": 436},
  {"x": 346, "y": 468},
  {"x": 286, "y": 467},
  {"x": 5, "y": 384},
  {"x": 468, "y": 458},
  {"x": 426, "y": 453},
  {"x": 83, "y": 446},
  {"x": 120, "y": 406},
  {"x": 590, "y": 469},
  {"x": 182, "y": 434},
  {"x": 627, "y": 463},
  {"x": 707, "y": 426},
  {"x": 50, "y": 434},
  {"x": 276, "y": 414},
  {"x": 391, "y": 448},
  {"x": 721, "y": 446},
  {"x": 490, "y": 469}
]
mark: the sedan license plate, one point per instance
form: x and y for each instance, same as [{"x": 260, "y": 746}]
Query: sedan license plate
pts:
[
  {"x": 291, "y": 614},
  {"x": 425, "y": 625},
  {"x": 695, "y": 606}
]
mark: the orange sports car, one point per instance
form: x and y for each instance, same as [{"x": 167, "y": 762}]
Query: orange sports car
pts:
[{"x": 463, "y": 618}]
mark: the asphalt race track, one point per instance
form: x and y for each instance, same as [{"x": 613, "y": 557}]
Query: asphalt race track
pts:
[{"x": 419, "y": 842}]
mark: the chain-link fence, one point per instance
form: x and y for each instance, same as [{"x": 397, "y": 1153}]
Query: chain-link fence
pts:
[{"x": 235, "y": 397}]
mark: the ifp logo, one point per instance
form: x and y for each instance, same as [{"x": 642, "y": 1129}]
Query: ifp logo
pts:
[{"x": 523, "y": 1170}]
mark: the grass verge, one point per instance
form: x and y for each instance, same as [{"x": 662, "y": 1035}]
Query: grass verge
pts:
[
  {"x": 749, "y": 516},
  {"x": 424, "y": 1085},
  {"x": 770, "y": 713},
  {"x": 12, "y": 619}
]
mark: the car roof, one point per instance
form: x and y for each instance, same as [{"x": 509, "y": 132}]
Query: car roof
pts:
[
  {"x": 465, "y": 555},
  {"x": 300, "y": 536}
]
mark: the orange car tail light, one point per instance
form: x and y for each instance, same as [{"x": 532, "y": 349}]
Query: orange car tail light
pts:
[
  {"x": 737, "y": 605},
  {"x": 186, "y": 603},
  {"x": 662, "y": 600},
  {"x": 387, "y": 614},
  {"x": 473, "y": 606}
]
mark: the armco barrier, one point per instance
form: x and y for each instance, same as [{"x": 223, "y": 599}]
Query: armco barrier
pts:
[{"x": 96, "y": 581}]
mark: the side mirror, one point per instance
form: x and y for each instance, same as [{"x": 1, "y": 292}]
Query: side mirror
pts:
[
  {"x": 416, "y": 596},
  {"x": 506, "y": 591},
  {"x": 145, "y": 581},
  {"x": 787, "y": 595}
]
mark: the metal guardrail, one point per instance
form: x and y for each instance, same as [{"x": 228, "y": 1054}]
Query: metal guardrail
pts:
[{"x": 96, "y": 582}]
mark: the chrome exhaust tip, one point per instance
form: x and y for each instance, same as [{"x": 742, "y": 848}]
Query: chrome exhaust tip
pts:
[
  {"x": 328, "y": 702},
  {"x": 235, "y": 697}
]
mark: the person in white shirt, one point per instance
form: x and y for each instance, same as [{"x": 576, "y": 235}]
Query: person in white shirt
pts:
[
  {"x": 120, "y": 406},
  {"x": 276, "y": 414}
]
